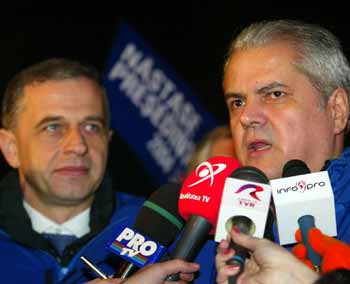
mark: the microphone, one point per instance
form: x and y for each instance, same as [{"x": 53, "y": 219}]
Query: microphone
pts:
[
  {"x": 306, "y": 222},
  {"x": 302, "y": 199},
  {"x": 156, "y": 226},
  {"x": 245, "y": 204},
  {"x": 199, "y": 204}
]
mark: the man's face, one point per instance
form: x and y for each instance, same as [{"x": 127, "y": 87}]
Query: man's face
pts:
[
  {"x": 275, "y": 112},
  {"x": 62, "y": 141}
]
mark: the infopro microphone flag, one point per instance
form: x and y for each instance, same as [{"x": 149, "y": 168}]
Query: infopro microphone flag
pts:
[
  {"x": 297, "y": 196},
  {"x": 152, "y": 108}
]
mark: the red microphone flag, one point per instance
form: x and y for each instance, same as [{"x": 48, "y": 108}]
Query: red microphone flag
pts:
[{"x": 202, "y": 189}]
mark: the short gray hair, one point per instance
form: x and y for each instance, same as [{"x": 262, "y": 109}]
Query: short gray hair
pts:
[{"x": 319, "y": 53}]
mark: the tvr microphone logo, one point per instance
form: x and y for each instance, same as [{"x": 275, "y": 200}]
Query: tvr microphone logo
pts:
[
  {"x": 252, "y": 190},
  {"x": 256, "y": 189},
  {"x": 207, "y": 171}
]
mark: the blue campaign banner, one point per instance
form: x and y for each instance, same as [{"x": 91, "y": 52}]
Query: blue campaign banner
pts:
[{"x": 152, "y": 108}]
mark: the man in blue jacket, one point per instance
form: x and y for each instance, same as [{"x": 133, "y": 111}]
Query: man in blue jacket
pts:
[
  {"x": 286, "y": 85},
  {"x": 55, "y": 120}
]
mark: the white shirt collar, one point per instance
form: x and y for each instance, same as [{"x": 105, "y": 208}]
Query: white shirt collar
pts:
[{"x": 77, "y": 226}]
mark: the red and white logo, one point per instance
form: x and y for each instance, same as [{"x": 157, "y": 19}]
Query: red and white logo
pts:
[
  {"x": 255, "y": 189},
  {"x": 207, "y": 171}
]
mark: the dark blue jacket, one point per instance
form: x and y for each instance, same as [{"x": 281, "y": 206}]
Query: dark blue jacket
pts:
[
  {"x": 339, "y": 174},
  {"x": 28, "y": 258},
  {"x": 25, "y": 257}
]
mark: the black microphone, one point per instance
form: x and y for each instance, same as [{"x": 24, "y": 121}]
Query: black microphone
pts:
[
  {"x": 158, "y": 219},
  {"x": 244, "y": 223},
  {"x": 294, "y": 168}
]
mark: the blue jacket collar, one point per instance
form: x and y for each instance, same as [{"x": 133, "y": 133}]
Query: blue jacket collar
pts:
[{"x": 339, "y": 173}]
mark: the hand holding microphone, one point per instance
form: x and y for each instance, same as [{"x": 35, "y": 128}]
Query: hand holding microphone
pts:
[
  {"x": 335, "y": 254},
  {"x": 303, "y": 200},
  {"x": 244, "y": 208},
  {"x": 306, "y": 222},
  {"x": 268, "y": 263},
  {"x": 156, "y": 273}
]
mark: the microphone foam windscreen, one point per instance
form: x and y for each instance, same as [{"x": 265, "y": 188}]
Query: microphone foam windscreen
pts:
[
  {"x": 202, "y": 189},
  {"x": 159, "y": 218},
  {"x": 295, "y": 168},
  {"x": 250, "y": 174}
]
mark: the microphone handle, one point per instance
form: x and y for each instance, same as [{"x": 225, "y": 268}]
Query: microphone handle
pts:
[
  {"x": 125, "y": 270},
  {"x": 233, "y": 278},
  {"x": 306, "y": 223},
  {"x": 173, "y": 278},
  {"x": 244, "y": 224},
  {"x": 195, "y": 234},
  {"x": 238, "y": 259}
]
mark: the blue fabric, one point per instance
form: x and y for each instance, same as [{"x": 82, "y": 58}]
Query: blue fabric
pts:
[
  {"x": 21, "y": 264},
  {"x": 206, "y": 259},
  {"x": 58, "y": 241},
  {"x": 339, "y": 174}
]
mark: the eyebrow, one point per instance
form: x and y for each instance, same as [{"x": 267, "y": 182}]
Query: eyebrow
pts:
[
  {"x": 97, "y": 118},
  {"x": 233, "y": 95},
  {"x": 269, "y": 87},
  {"x": 49, "y": 119},
  {"x": 261, "y": 90}
]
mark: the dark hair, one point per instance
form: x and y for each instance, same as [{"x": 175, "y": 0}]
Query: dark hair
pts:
[{"x": 51, "y": 69}]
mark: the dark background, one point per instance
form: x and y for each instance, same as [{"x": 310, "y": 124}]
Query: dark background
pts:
[{"x": 192, "y": 36}]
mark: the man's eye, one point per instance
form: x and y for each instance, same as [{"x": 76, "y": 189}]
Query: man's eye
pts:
[
  {"x": 52, "y": 127},
  {"x": 276, "y": 94},
  {"x": 236, "y": 103},
  {"x": 92, "y": 128}
]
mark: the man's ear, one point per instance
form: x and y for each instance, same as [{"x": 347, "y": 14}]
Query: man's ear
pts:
[
  {"x": 8, "y": 147},
  {"x": 339, "y": 106}
]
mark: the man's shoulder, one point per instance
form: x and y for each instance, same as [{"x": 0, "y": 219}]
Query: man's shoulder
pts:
[
  {"x": 339, "y": 169},
  {"x": 9, "y": 180},
  {"x": 10, "y": 198},
  {"x": 128, "y": 200},
  {"x": 127, "y": 206}
]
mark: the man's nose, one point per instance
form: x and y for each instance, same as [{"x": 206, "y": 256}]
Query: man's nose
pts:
[
  {"x": 252, "y": 115},
  {"x": 75, "y": 142}
]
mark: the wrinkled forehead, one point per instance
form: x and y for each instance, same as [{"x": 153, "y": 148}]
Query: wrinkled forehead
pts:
[
  {"x": 64, "y": 97},
  {"x": 261, "y": 62}
]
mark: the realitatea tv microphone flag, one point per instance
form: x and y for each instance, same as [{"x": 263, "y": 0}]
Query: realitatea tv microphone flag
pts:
[{"x": 153, "y": 109}]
